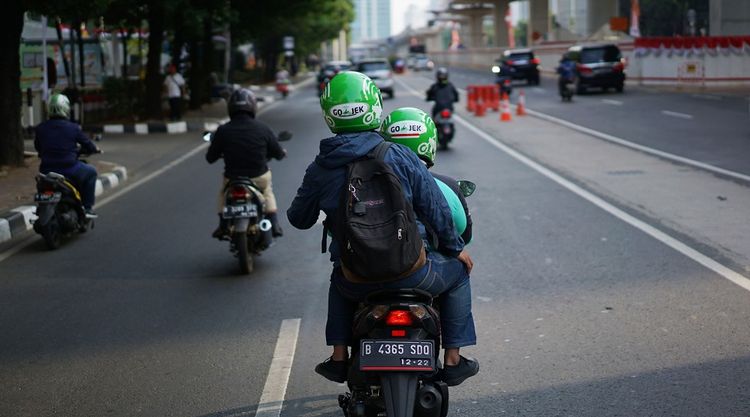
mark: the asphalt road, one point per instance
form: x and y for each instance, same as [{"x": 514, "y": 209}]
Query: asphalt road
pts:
[
  {"x": 710, "y": 128},
  {"x": 578, "y": 314}
]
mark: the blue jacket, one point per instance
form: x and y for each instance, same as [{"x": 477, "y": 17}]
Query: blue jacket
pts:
[
  {"x": 57, "y": 143},
  {"x": 567, "y": 69},
  {"x": 324, "y": 180}
]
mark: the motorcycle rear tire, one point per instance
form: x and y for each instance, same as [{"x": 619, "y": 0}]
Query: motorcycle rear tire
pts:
[
  {"x": 243, "y": 254},
  {"x": 52, "y": 234}
]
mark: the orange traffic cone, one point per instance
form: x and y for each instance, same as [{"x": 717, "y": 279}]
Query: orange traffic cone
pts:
[
  {"x": 481, "y": 107},
  {"x": 521, "y": 106},
  {"x": 505, "y": 108}
]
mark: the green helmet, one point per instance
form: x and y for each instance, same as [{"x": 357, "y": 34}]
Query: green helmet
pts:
[
  {"x": 351, "y": 102},
  {"x": 58, "y": 106},
  {"x": 414, "y": 129}
]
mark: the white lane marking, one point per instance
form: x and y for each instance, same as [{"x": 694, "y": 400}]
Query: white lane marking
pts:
[
  {"x": 31, "y": 238},
  {"x": 274, "y": 391},
  {"x": 657, "y": 234},
  {"x": 539, "y": 90},
  {"x": 708, "y": 97},
  {"x": 612, "y": 102},
  {"x": 628, "y": 144},
  {"x": 677, "y": 114}
]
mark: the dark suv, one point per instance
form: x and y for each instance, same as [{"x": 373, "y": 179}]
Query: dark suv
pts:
[
  {"x": 598, "y": 66},
  {"x": 520, "y": 64}
]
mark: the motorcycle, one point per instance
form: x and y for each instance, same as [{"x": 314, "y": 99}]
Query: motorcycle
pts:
[
  {"x": 395, "y": 367},
  {"x": 445, "y": 128},
  {"x": 283, "y": 88},
  {"x": 249, "y": 229},
  {"x": 59, "y": 209},
  {"x": 566, "y": 86}
]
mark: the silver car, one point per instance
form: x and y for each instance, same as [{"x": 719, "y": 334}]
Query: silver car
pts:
[{"x": 379, "y": 70}]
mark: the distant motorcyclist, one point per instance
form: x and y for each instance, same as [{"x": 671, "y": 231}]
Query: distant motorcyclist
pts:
[
  {"x": 442, "y": 92},
  {"x": 246, "y": 146},
  {"x": 57, "y": 142},
  {"x": 567, "y": 71}
]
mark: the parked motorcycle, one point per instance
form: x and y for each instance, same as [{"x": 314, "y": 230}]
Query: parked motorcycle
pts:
[
  {"x": 445, "y": 128},
  {"x": 59, "y": 209},
  {"x": 395, "y": 367},
  {"x": 249, "y": 229}
]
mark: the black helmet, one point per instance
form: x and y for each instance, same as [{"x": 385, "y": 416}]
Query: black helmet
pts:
[
  {"x": 242, "y": 100},
  {"x": 442, "y": 74}
]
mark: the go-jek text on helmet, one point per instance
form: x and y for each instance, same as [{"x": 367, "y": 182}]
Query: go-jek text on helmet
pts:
[
  {"x": 242, "y": 100},
  {"x": 414, "y": 129},
  {"x": 59, "y": 106},
  {"x": 351, "y": 102}
]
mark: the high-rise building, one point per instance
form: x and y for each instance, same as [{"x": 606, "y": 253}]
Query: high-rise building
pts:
[{"x": 372, "y": 20}]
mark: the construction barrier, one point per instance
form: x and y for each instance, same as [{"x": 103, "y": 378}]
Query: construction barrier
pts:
[{"x": 479, "y": 98}]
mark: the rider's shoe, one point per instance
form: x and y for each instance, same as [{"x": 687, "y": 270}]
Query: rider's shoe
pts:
[
  {"x": 454, "y": 375},
  {"x": 90, "y": 213},
  {"x": 332, "y": 370}
]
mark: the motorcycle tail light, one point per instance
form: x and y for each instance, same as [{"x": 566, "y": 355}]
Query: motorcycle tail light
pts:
[
  {"x": 398, "y": 333},
  {"x": 445, "y": 113},
  {"x": 399, "y": 318},
  {"x": 536, "y": 61},
  {"x": 239, "y": 193}
]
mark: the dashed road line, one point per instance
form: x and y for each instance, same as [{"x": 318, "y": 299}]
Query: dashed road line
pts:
[
  {"x": 274, "y": 391},
  {"x": 612, "y": 102},
  {"x": 677, "y": 114}
]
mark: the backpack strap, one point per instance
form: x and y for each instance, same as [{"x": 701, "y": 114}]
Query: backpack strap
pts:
[
  {"x": 379, "y": 151},
  {"x": 324, "y": 239}
]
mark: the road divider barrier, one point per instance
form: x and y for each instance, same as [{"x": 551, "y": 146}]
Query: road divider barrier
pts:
[{"x": 479, "y": 98}]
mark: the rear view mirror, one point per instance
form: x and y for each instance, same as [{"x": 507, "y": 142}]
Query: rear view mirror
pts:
[
  {"x": 466, "y": 187},
  {"x": 207, "y": 136},
  {"x": 284, "y": 136}
]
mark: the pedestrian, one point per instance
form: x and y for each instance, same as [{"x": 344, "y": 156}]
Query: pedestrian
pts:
[{"x": 175, "y": 86}]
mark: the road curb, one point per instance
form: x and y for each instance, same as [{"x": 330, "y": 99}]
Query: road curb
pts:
[{"x": 15, "y": 222}]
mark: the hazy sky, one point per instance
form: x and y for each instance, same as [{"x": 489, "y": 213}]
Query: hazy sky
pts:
[{"x": 401, "y": 8}]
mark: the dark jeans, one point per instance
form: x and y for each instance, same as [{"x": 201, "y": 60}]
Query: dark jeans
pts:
[
  {"x": 84, "y": 177},
  {"x": 441, "y": 276},
  {"x": 175, "y": 108}
]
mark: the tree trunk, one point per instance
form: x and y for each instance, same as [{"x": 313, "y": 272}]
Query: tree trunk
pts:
[
  {"x": 197, "y": 62},
  {"x": 11, "y": 141},
  {"x": 153, "y": 67}
]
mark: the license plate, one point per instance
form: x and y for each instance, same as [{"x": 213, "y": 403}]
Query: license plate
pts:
[
  {"x": 47, "y": 197},
  {"x": 233, "y": 212},
  {"x": 394, "y": 355}
]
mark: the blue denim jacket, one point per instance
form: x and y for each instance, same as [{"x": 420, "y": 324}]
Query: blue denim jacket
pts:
[
  {"x": 324, "y": 180},
  {"x": 57, "y": 142}
]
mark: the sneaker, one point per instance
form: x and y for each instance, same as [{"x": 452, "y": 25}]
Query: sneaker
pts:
[
  {"x": 454, "y": 375},
  {"x": 332, "y": 370},
  {"x": 220, "y": 233},
  {"x": 91, "y": 214}
]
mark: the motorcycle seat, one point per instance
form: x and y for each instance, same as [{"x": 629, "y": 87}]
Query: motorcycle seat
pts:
[{"x": 399, "y": 295}]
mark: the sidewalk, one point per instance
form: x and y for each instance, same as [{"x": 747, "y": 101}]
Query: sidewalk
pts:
[{"x": 131, "y": 154}]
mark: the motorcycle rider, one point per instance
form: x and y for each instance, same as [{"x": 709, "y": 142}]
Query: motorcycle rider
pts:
[
  {"x": 567, "y": 71},
  {"x": 444, "y": 271},
  {"x": 442, "y": 92},
  {"x": 424, "y": 147},
  {"x": 57, "y": 141},
  {"x": 246, "y": 145}
]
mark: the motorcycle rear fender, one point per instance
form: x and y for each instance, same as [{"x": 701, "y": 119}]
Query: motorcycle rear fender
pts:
[
  {"x": 239, "y": 225},
  {"x": 399, "y": 393},
  {"x": 44, "y": 213}
]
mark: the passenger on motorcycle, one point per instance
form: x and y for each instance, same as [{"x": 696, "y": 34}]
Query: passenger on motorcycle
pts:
[
  {"x": 425, "y": 147},
  {"x": 444, "y": 271},
  {"x": 246, "y": 146},
  {"x": 567, "y": 71},
  {"x": 57, "y": 142},
  {"x": 442, "y": 92}
]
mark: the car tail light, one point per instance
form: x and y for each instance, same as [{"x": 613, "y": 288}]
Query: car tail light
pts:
[
  {"x": 239, "y": 193},
  {"x": 536, "y": 61},
  {"x": 618, "y": 67},
  {"x": 509, "y": 62},
  {"x": 507, "y": 82},
  {"x": 583, "y": 69},
  {"x": 445, "y": 113},
  {"x": 399, "y": 318}
]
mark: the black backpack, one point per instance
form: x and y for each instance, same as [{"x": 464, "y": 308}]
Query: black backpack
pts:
[{"x": 375, "y": 225}]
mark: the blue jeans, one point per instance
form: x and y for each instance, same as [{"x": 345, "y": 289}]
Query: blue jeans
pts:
[
  {"x": 84, "y": 177},
  {"x": 443, "y": 276}
]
